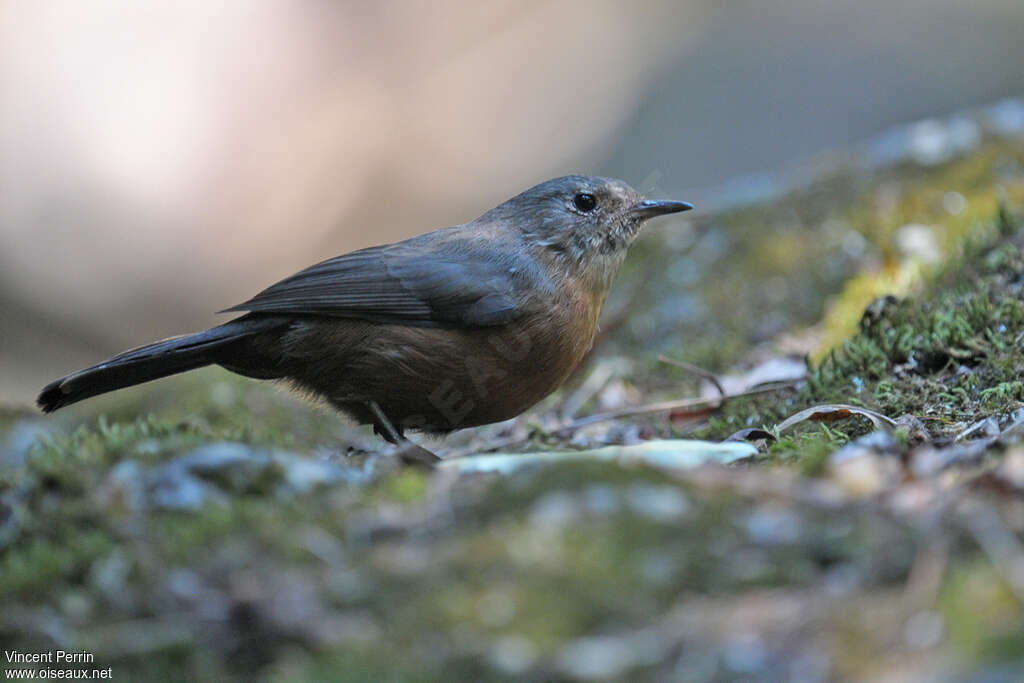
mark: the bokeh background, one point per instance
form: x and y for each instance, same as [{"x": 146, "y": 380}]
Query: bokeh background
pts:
[{"x": 162, "y": 160}]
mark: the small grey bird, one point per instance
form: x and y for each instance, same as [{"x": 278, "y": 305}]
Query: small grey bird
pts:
[{"x": 459, "y": 327}]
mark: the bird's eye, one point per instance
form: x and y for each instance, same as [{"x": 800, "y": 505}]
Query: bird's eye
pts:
[{"x": 584, "y": 201}]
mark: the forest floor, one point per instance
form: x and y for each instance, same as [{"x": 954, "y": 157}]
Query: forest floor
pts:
[{"x": 211, "y": 527}]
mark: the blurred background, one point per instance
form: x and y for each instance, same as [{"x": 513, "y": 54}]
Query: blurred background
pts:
[{"x": 160, "y": 161}]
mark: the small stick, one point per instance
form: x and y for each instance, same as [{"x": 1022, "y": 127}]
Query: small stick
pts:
[
  {"x": 696, "y": 370},
  {"x": 664, "y": 406}
]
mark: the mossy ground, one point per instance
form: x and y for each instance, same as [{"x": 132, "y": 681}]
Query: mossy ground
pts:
[
  {"x": 773, "y": 569},
  {"x": 950, "y": 358}
]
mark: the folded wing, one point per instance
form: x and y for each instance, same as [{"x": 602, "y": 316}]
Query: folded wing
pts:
[{"x": 442, "y": 281}]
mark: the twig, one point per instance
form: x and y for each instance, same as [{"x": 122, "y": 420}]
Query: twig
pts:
[
  {"x": 648, "y": 409},
  {"x": 662, "y": 407},
  {"x": 696, "y": 370}
]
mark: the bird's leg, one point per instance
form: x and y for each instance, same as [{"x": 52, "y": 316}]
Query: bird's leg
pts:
[
  {"x": 407, "y": 451},
  {"x": 382, "y": 425}
]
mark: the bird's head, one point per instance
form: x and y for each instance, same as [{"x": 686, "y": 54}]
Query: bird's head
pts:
[{"x": 584, "y": 221}]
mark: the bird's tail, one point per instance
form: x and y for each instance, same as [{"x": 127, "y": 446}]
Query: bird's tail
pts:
[{"x": 152, "y": 361}]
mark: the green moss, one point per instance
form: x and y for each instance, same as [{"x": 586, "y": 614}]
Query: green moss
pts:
[
  {"x": 950, "y": 354},
  {"x": 33, "y": 570},
  {"x": 405, "y": 486},
  {"x": 808, "y": 450}
]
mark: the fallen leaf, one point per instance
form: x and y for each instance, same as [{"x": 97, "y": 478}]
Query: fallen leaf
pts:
[
  {"x": 831, "y": 412},
  {"x": 671, "y": 453}
]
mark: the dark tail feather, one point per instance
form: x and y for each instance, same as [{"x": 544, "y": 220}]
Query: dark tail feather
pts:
[{"x": 153, "y": 361}]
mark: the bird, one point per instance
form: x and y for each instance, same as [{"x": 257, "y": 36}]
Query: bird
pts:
[{"x": 459, "y": 327}]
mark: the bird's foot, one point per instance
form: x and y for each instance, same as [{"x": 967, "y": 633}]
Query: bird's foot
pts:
[
  {"x": 411, "y": 454},
  {"x": 408, "y": 452}
]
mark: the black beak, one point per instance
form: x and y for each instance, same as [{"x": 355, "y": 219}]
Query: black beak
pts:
[{"x": 649, "y": 208}]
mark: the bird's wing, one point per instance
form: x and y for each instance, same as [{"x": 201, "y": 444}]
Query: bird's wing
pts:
[{"x": 449, "y": 282}]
